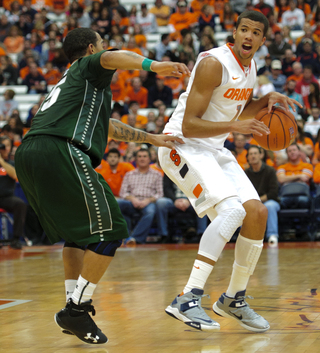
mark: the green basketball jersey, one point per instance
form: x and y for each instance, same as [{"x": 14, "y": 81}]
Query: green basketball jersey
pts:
[{"x": 78, "y": 108}]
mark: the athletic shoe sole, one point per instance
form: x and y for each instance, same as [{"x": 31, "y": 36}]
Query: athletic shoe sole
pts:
[
  {"x": 68, "y": 332},
  {"x": 174, "y": 312},
  {"x": 221, "y": 312}
]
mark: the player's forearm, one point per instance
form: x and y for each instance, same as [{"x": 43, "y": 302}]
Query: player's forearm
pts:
[
  {"x": 253, "y": 108},
  {"x": 121, "y": 59}
]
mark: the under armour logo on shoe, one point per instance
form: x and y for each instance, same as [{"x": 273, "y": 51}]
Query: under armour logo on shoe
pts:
[{"x": 93, "y": 339}]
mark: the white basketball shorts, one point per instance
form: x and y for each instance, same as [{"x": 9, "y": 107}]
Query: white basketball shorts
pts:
[{"x": 206, "y": 177}]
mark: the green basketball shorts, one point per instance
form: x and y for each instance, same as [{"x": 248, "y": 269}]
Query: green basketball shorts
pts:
[{"x": 73, "y": 202}]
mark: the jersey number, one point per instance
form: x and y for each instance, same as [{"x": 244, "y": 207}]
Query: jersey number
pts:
[
  {"x": 53, "y": 96},
  {"x": 238, "y": 112}
]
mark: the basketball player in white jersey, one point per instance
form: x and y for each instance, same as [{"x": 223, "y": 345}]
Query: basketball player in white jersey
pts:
[{"x": 218, "y": 101}]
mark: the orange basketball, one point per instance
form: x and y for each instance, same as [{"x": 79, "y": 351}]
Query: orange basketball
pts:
[{"x": 283, "y": 129}]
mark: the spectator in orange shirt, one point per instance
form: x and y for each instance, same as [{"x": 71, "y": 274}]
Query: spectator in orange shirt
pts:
[
  {"x": 117, "y": 88},
  {"x": 126, "y": 76},
  {"x": 120, "y": 20},
  {"x": 294, "y": 171},
  {"x": 280, "y": 8},
  {"x": 316, "y": 174},
  {"x": 26, "y": 70},
  {"x": 297, "y": 72},
  {"x": 137, "y": 93},
  {"x": 162, "y": 13},
  {"x": 132, "y": 46},
  {"x": 14, "y": 42},
  {"x": 182, "y": 19},
  {"x": 229, "y": 18},
  {"x": 140, "y": 120},
  {"x": 57, "y": 6},
  {"x": 176, "y": 84},
  {"x": 52, "y": 75},
  {"x": 113, "y": 171},
  {"x": 241, "y": 152}
]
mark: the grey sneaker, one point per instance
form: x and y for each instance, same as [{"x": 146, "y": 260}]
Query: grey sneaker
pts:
[
  {"x": 237, "y": 308},
  {"x": 187, "y": 308}
]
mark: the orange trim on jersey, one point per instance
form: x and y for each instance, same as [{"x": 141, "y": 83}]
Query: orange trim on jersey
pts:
[
  {"x": 229, "y": 45},
  {"x": 197, "y": 191}
]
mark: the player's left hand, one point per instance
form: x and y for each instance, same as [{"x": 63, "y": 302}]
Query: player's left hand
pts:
[
  {"x": 164, "y": 140},
  {"x": 169, "y": 68},
  {"x": 275, "y": 97}
]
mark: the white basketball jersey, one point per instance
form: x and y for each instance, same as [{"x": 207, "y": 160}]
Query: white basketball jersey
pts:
[{"x": 227, "y": 101}]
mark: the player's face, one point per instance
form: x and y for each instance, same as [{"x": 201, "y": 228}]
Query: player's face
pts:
[
  {"x": 248, "y": 38},
  {"x": 98, "y": 47}
]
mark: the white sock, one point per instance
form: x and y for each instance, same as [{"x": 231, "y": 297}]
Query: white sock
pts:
[
  {"x": 199, "y": 275},
  {"x": 83, "y": 291},
  {"x": 70, "y": 285},
  {"x": 247, "y": 253}
]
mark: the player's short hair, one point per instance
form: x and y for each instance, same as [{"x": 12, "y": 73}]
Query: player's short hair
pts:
[
  {"x": 254, "y": 16},
  {"x": 76, "y": 42}
]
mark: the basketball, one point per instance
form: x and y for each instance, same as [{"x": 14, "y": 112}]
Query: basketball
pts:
[{"x": 283, "y": 129}]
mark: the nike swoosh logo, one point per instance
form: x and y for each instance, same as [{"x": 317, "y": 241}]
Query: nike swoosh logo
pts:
[
  {"x": 238, "y": 317},
  {"x": 197, "y": 267},
  {"x": 235, "y": 78},
  {"x": 209, "y": 321}
]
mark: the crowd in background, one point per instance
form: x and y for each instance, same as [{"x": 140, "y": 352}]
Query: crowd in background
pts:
[{"x": 31, "y": 54}]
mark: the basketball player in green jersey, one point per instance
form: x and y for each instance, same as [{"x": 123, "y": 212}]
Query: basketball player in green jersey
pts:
[{"x": 55, "y": 166}]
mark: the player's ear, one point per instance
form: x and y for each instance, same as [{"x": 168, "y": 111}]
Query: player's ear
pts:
[
  {"x": 263, "y": 41},
  {"x": 234, "y": 33}
]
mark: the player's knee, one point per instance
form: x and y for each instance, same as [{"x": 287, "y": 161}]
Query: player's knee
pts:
[
  {"x": 232, "y": 213},
  {"x": 106, "y": 248}
]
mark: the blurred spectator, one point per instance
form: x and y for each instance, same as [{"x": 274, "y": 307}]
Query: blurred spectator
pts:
[
  {"x": 8, "y": 73},
  {"x": 117, "y": 88},
  {"x": 25, "y": 70},
  {"x": 303, "y": 86},
  {"x": 176, "y": 85},
  {"x": 140, "y": 38},
  {"x": 182, "y": 19},
  {"x": 308, "y": 34},
  {"x": 162, "y": 112},
  {"x": 239, "y": 5},
  {"x": 126, "y": 76},
  {"x": 291, "y": 93},
  {"x": 286, "y": 33},
  {"x": 266, "y": 69},
  {"x": 4, "y": 27},
  {"x": 130, "y": 152},
  {"x": 137, "y": 93},
  {"x": 287, "y": 62},
  {"x": 8, "y": 201},
  {"x": 52, "y": 75},
  {"x": 229, "y": 18},
  {"x": 278, "y": 48},
  {"x": 315, "y": 23},
  {"x": 294, "y": 171},
  {"x": 60, "y": 60},
  {"x": 104, "y": 21},
  {"x": 82, "y": 17},
  {"x": 276, "y": 77},
  {"x": 31, "y": 115},
  {"x": 160, "y": 94},
  {"x": 294, "y": 17},
  {"x": 176, "y": 204},
  {"x": 35, "y": 81},
  {"x": 263, "y": 7},
  {"x": 147, "y": 20},
  {"x": 306, "y": 9},
  {"x": 259, "y": 56},
  {"x": 263, "y": 87},
  {"x": 185, "y": 49},
  {"x": 312, "y": 124},
  {"x": 49, "y": 54},
  {"x": 14, "y": 13},
  {"x": 297, "y": 72},
  {"x": 25, "y": 26},
  {"x": 264, "y": 179},
  {"x": 120, "y": 19},
  {"x": 163, "y": 46},
  {"x": 71, "y": 24},
  {"x": 114, "y": 4},
  {"x": 140, "y": 120},
  {"x": 313, "y": 100},
  {"x": 28, "y": 10},
  {"x": 140, "y": 189},
  {"x": 151, "y": 122},
  {"x": 159, "y": 123},
  {"x": 305, "y": 143},
  {"x": 132, "y": 46},
  {"x": 113, "y": 171},
  {"x": 133, "y": 15},
  {"x": 280, "y": 8},
  {"x": 241, "y": 152},
  {"x": 7, "y": 105},
  {"x": 207, "y": 17},
  {"x": 316, "y": 155},
  {"x": 307, "y": 56},
  {"x": 273, "y": 23},
  {"x": 161, "y": 12},
  {"x": 14, "y": 42},
  {"x": 95, "y": 10}
]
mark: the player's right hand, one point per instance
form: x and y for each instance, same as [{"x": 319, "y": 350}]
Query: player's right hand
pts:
[
  {"x": 169, "y": 68},
  {"x": 251, "y": 126}
]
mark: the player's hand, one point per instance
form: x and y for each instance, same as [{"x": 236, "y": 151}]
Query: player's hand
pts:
[
  {"x": 164, "y": 140},
  {"x": 169, "y": 68},
  {"x": 251, "y": 126},
  {"x": 283, "y": 100}
]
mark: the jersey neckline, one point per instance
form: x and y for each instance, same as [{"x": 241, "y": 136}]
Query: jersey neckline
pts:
[{"x": 230, "y": 45}]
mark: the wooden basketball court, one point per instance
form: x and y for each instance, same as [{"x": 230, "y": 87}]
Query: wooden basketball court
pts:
[{"x": 141, "y": 282}]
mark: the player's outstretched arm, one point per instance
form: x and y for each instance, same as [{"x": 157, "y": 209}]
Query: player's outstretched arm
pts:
[
  {"x": 208, "y": 76},
  {"x": 123, "y": 132},
  {"x": 127, "y": 60}
]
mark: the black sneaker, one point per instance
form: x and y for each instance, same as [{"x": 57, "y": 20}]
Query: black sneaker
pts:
[
  {"x": 16, "y": 244},
  {"x": 74, "y": 319}
]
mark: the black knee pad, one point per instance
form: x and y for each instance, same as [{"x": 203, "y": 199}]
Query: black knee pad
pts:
[
  {"x": 106, "y": 248},
  {"x": 73, "y": 245}
]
